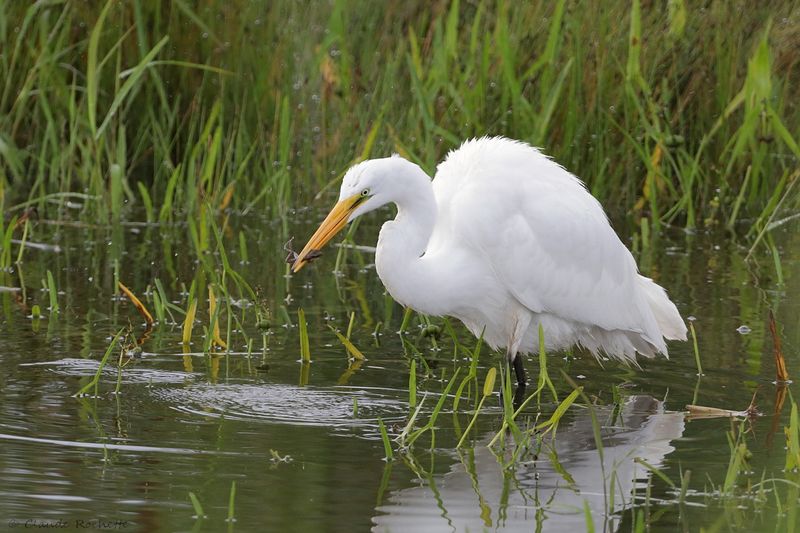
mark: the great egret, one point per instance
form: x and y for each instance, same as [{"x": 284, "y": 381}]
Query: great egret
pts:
[{"x": 505, "y": 240}]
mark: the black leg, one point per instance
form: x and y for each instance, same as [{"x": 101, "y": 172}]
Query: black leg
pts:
[
  {"x": 519, "y": 370},
  {"x": 519, "y": 396}
]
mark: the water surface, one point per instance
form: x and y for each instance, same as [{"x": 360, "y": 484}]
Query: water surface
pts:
[{"x": 302, "y": 442}]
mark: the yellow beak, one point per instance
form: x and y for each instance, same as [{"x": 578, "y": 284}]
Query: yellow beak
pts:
[{"x": 333, "y": 223}]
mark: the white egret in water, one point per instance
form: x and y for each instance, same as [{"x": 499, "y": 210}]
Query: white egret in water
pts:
[{"x": 505, "y": 240}]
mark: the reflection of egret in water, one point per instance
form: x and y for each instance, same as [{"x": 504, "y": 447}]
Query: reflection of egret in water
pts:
[{"x": 477, "y": 495}]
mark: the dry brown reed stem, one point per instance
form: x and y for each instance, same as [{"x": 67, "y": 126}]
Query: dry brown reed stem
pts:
[
  {"x": 781, "y": 374},
  {"x": 136, "y": 303}
]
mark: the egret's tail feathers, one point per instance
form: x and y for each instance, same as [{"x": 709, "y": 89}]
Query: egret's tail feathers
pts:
[
  {"x": 665, "y": 323},
  {"x": 666, "y": 314},
  {"x": 621, "y": 345}
]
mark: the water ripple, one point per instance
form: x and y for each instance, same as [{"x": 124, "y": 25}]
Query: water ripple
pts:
[
  {"x": 287, "y": 404},
  {"x": 130, "y": 374},
  {"x": 108, "y": 446}
]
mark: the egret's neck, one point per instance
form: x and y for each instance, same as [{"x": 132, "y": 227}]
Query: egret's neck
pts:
[
  {"x": 403, "y": 242},
  {"x": 416, "y": 216}
]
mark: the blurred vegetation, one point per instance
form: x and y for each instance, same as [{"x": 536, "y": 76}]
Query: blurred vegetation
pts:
[{"x": 674, "y": 111}]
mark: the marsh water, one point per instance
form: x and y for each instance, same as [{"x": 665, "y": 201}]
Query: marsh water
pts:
[{"x": 302, "y": 442}]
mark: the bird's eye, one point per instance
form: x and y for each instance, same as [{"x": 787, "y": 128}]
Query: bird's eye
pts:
[{"x": 365, "y": 192}]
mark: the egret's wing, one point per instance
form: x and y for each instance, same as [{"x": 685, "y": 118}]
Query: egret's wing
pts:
[{"x": 545, "y": 237}]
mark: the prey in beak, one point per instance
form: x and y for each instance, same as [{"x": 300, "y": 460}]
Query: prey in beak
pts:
[
  {"x": 333, "y": 224},
  {"x": 291, "y": 255}
]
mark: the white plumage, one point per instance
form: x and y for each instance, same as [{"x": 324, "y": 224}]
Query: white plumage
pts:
[{"x": 505, "y": 239}]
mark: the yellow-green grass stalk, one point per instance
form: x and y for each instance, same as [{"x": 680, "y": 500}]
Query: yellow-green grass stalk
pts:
[
  {"x": 488, "y": 388},
  {"x": 305, "y": 350},
  {"x": 387, "y": 445},
  {"x": 53, "y": 293},
  {"x": 94, "y": 382},
  {"x": 696, "y": 349}
]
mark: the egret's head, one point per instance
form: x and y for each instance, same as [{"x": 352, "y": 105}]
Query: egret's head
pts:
[{"x": 365, "y": 187}]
